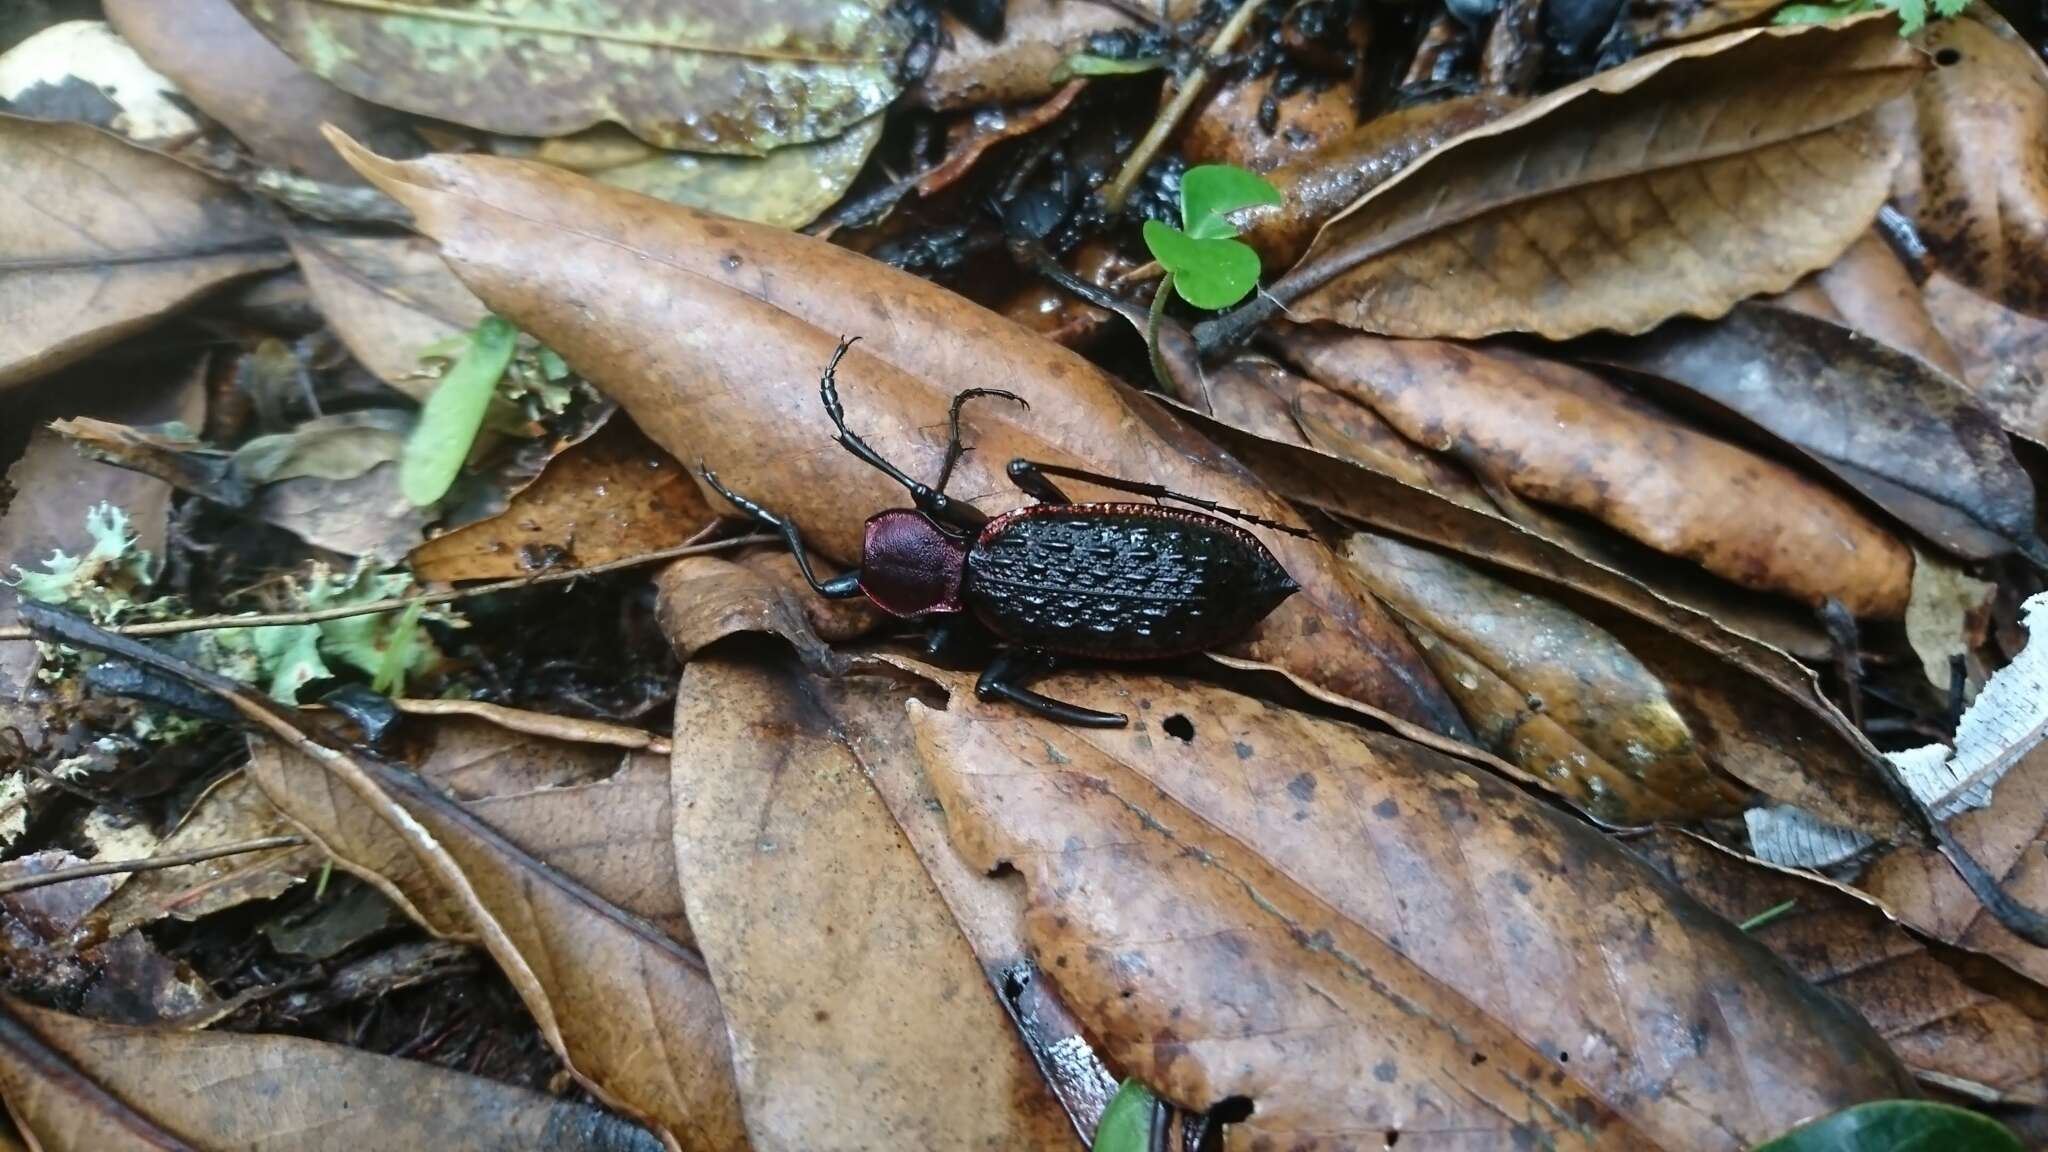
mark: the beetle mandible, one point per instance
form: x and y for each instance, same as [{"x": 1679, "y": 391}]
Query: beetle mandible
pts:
[{"x": 1056, "y": 579}]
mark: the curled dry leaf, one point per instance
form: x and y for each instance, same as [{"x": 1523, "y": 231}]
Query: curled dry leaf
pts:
[
  {"x": 1590, "y": 448},
  {"x": 967, "y": 139},
  {"x": 703, "y": 599},
  {"x": 98, "y": 238},
  {"x": 712, "y": 332},
  {"x": 609, "y": 497},
  {"x": 230, "y": 72},
  {"x": 388, "y": 297},
  {"x": 231, "y": 812},
  {"x": 1626, "y": 755},
  {"x": 579, "y": 931},
  {"x": 1979, "y": 188},
  {"x": 1669, "y": 21},
  {"x": 1910, "y": 439},
  {"x": 1203, "y": 903},
  {"x": 78, "y": 1085},
  {"x": 1678, "y": 183},
  {"x": 860, "y": 1014},
  {"x": 1958, "y": 1023},
  {"x": 710, "y": 76}
]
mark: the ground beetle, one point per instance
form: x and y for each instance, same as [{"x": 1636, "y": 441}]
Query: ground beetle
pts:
[{"x": 1108, "y": 581}]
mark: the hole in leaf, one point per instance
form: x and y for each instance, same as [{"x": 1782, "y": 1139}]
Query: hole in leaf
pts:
[
  {"x": 1179, "y": 727},
  {"x": 1948, "y": 57},
  {"x": 1232, "y": 1110},
  {"x": 1393, "y": 1137}
]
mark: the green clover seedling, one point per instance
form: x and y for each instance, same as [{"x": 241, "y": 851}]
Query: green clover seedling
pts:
[
  {"x": 1913, "y": 14},
  {"x": 1209, "y": 266}
]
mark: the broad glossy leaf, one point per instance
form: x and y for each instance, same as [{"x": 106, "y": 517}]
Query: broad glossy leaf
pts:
[
  {"x": 1206, "y": 273},
  {"x": 1209, "y": 193},
  {"x": 1899, "y": 1126},
  {"x": 710, "y": 75}
]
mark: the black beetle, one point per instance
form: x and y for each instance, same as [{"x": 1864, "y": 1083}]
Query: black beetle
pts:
[{"x": 1106, "y": 581}]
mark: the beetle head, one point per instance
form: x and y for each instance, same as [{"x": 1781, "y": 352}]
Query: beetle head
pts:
[{"x": 910, "y": 566}]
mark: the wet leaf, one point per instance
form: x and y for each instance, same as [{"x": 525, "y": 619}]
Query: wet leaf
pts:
[
  {"x": 77, "y": 1084},
  {"x": 1039, "y": 37},
  {"x": 609, "y": 497},
  {"x": 1974, "y": 1025},
  {"x": 1668, "y": 21},
  {"x": 389, "y": 298},
  {"x": 1589, "y": 448},
  {"x": 230, "y": 72},
  {"x": 1898, "y": 1126},
  {"x": 80, "y": 71},
  {"x": 968, "y": 140},
  {"x": 338, "y": 447},
  {"x": 1212, "y": 273},
  {"x": 230, "y": 812},
  {"x": 454, "y": 413},
  {"x": 1884, "y": 422},
  {"x": 861, "y": 1012},
  {"x": 1210, "y": 193},
  {"x": 1225, "y": 127},
  {"x": 709, "y": 76},
  {"x": 99, "y": 238},
  {"x": 1202, "y": 903},
  {"x": 1686, "y": 162},
  {"x": 614, "y": 285}
]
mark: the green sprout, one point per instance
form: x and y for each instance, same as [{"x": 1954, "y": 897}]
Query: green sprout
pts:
[
  {"x": 1127, "y": 1123},
  {"x": 454, "y": 413},
  {"x": 1912, "y": 13},
  {"x": 1204, "y": 261}
]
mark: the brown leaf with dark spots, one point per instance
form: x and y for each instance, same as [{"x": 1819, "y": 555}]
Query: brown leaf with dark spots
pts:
[
  {"x": 1371, "y": 942},
  {"x": 78, "y": 1085},
  {"x": 1228, "y": 125},
  {"x": 1589, "y": 449},
  {"x": 1957, "y": 1021},
  {"x": 389, "y": 298},
  {"x": 969, "y": 138},
  {"x": 2004, "y": 353},
  {"x": 1909, "y": 438},
  {"x": 861, "y": 1015},
  {"x": 1343, "y": 427},
  {"x": 99, "y": 238},
  {"x": 1646, "y": 764},
  {"x": 712, "y": 334},
  {"x": 1677, "y": 183}
]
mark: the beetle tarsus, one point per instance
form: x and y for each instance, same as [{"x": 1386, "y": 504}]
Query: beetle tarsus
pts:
[
  {"x": 1032, "y": 477},
  {"x": 1006, "y": 675},
  {"x": 954, "y": 449},
  {"x": 842, "y": 587}
]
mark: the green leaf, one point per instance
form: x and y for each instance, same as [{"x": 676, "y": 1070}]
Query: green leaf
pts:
[
  {"x": 1207, "y": 273},
  {"x": 1083, "y": 64},
  {"x": 1211, "y": 192},
  {"x": 1912, "y": 16},
  {"x": 402, "y": 652},
  {"x": 1127, "y": 1123},
  {"x": 1898, "y": 1126},
  {"x": 449, "y": 420},
  {"x": 1950, "y": 8}
]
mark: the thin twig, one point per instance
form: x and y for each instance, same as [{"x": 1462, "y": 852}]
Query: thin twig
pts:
[
  {"x": 396, "y": 603},
  {"x": 145, "y": 864},
  {"x": 1191, "y": 89}
]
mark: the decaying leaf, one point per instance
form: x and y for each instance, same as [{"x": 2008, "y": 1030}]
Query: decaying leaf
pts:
[
  {"x": 711, "y": 76},
  {"x": 77, "y": 1085},
  {"x": 98, "y": 238},
  {"x": 1229, "y": 127},
  {"x": 1025, "y": 64},
  {"x": 389, "y": 298},
  {"x": 80, "y": 71},
  {"x": 711, "y": 333},
  {"x": 1946, "y": 617},
  {"x": 704, "y": 599},
  {"x": 1348, "y": 931},
  {"x": 1870, "y": 290},
  {"x": 2004, "y": 353},
  {"x": 1678, "y": 183},
  {"x": 860, "y": 1015},
  {"x": 1590, "y": 448}
]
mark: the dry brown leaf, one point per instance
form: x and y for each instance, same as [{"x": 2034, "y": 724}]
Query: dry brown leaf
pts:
[
  {"x": 1038, "y": 36},
  {"x": 1871, "y": 290},
  {"x": 230, "y": 812},
  {"x": 1371, "y": 942},
  {"x": 1669, "y": 21},
  {"x": 1252, "y": 393},
  {"x": 631, "y": 1010},
  {"x": 1343, "y": 427},
  {"x": 1591, "y": 450},
  {"x": 99, "y": 238},
  {"x": 388, "y": 297},
  {"x": 711, "y": 333},
  {"x": 78, "y": 1085},
  {"x": 2004, "y": 353},
  {"x": 860, "y": 1017},
  {"x": 609, "y": 497},
  {"x": 1644, "y": 764},
  {"x": 1678, "y": 183},
  {"x": 1957, "y": 1023},
  {"x": 231, "y": 73},
  {"x": 704, "y": 599}
]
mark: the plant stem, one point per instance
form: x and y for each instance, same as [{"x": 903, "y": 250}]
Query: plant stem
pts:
[
  {"x": 1190, "y": 90},
  {"x": 1159, "y": 372},
  {"x": 145, "y": 864}
]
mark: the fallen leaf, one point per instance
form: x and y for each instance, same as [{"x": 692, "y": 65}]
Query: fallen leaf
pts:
[
  {"x": 124, "y": 979},
  {"x": 1024, "y": 65},
  {"x": 708, "y": 77},
  {"x": 1343, "y": 427},
  {"x": 970, "y": 138},
  {"x": 1642, "y": 763},
  {"x": 1669, "y": 21},
  {"x": 230, "y": 812},
  {"x": 80, "y": 71},
  {"x": 389, "y": 298},
  {"x": 1684, "y": 493},
  {"x": 99, "y": 238},
  {"x": 1978, "y": 191},
  {"x": 712, "y": 332},
  {"x": 861, "y": 1016},
  {"x": 1882, "y": 421},
  {"x": 609, "y": 497},
  {"x": 365, "y": 515},
  {"x": 1196, "y": 890},
  {"x": 1681, "y": 161},
  {"x": 2004, "y": 353},
  {"x": 1229, "y": 125},
  {"x": 1946, "y": 618},
  {"x": 703, "y": 599},
  {"x": 1954, "y": 1023},
  {"x": 1870, "y": 290},
  {"x": 338, "y": 447},
  {"x": 230, "y": 72},
  {"x": 79, "y": 1085}
]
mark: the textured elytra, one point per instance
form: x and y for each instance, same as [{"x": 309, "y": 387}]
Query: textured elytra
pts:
[{"x": 1127, "y": 581}]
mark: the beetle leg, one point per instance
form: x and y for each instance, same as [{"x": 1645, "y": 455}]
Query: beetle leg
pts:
[
  {"x": 1004, "y": 680},
  {"x": 929, "y": 500},
  {"x": 842, "y": 587},
  {"x": 1030, "y": 475},
  {"x": 954, "y": 450}
]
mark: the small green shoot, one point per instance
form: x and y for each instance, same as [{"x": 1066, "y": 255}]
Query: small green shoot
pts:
[
  {"x": 454, "y": 412},
  {"x": 1767, "y": 915},
  {"x": 1912, "y": 13},
  {"x": 1898, "y": 1126},
  {"x": 1204, "y": 261},
  {"x": 1128, "y": 1121},
  {"x": 1086, "y": 64}
]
